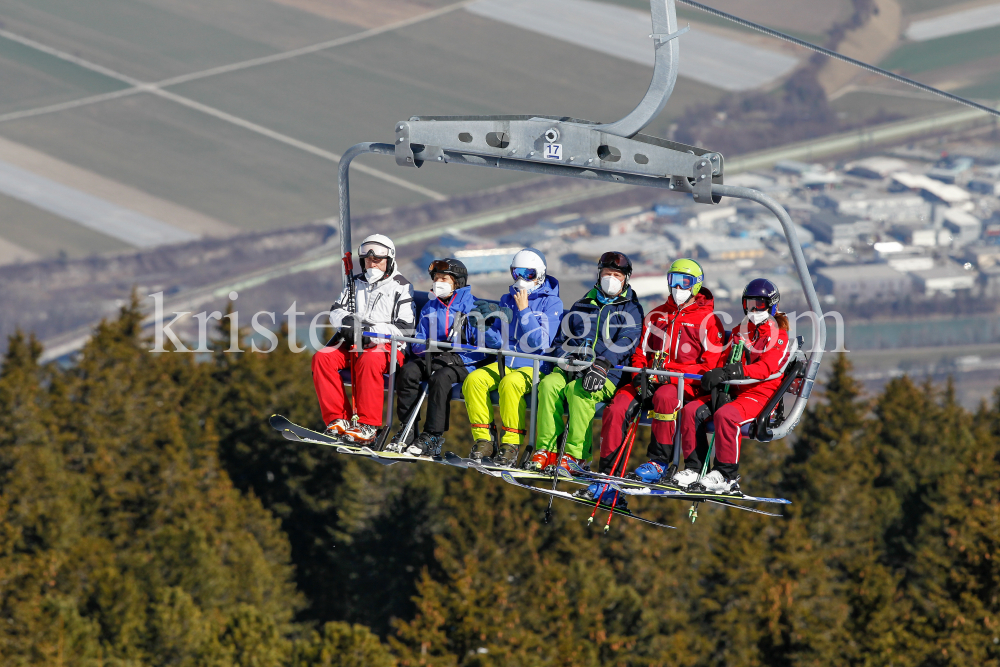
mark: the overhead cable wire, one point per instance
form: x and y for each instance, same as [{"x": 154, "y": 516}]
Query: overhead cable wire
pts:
[{"x": 839, "y": 56}]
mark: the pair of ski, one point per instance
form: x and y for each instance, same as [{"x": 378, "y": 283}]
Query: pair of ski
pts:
[{"x": 296, "y": 433}]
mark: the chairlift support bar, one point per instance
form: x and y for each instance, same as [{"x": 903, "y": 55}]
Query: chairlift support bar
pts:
[{"x": 613, "y": 152}]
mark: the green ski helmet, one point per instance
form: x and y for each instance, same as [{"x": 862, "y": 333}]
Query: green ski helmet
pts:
[{"x": 686, "y": 274}]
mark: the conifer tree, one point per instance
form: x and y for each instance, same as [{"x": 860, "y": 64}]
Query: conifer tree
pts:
[{"x": 128, "y": 540}]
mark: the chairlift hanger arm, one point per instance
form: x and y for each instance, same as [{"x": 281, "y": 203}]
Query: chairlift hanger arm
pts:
[{"x": 665, "y": 67}]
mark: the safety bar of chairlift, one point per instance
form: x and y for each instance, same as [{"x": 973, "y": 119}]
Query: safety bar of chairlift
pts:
[
  {"x": 536, "y": 359},
  {"x": 798, "y": 258}
]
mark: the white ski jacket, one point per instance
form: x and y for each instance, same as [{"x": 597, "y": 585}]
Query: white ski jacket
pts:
[{"x": 385, "y": 307}]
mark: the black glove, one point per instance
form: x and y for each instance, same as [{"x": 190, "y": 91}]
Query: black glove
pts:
[
  {"x": 597, "y": 375},
  {"x": 713, "y": 378},
  {"x": 638, "y": 384},
  {"x": 717, "y": 376},
  {"x": 346, "y": 330},
  {"x": 571, "y": 370},
  {"x": 368, "y": 342},
  {"x": 734, "y": 371}
]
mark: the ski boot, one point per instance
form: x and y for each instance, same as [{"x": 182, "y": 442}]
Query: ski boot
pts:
[
  {"x": 481, "y": 449},
  {"x": 361, "y": 434},
  {"x": 650, "y": 472},
  {"x": 716, "y": 482},
  {"x": 399, "y": 446},
  {"x": 337, "y": 428},
  {"x": 685, "y": 478},
  {"x": 568, "y": 463},
  {"x": 541, "y": 460},
  {"x": 507, "y": 458},
  {"x": 427, "y": 444},
  {"x": 604, "y": 493}
]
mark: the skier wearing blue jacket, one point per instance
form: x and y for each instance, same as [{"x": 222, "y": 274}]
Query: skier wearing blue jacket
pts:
[
  {"x": 531, "y": 313},
  {"x": 602, "y": 328},
  {"x": 444, "y": 319}
]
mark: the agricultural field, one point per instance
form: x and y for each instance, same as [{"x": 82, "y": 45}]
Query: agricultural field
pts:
[
  {"x": 254, "y": 145},
  {"x": 955, "y": 46},
  {"x": 225, "y": 163}
]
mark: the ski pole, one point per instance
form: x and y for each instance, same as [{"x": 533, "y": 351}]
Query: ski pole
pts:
[
  {"x": 555, "y": 472},
  {"x": 629, "y": 436},
  {"x": 693, "y": 512},
  {"x": 635, "y": 428},
  {"x": 352, "y": 306}
]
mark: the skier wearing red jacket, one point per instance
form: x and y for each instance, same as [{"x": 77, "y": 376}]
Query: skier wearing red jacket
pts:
[
  {"x": 687, "y": 339},
  {"x": 766, "y": 353}
]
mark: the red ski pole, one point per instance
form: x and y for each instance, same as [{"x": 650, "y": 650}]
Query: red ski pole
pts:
[
  {"x": 635, "y": 426},
  {"x": 629, "y": 439}
]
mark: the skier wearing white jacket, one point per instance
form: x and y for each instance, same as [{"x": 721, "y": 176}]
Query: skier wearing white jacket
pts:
[{"x": 383, "y": 305}]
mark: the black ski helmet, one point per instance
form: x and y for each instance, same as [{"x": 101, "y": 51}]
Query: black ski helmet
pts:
[
  {"x": 762, "y": 288},
  {"x": 451, "y": 267},
  {"x": 618, "y": 261}
]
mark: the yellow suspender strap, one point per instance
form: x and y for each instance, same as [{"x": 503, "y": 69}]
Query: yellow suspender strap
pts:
[{"x": 663, "y": 418}]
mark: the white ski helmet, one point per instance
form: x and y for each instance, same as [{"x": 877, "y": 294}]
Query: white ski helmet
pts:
[
  {"x": 528, "y": 269},
  {"x": 378, "y": 246}
]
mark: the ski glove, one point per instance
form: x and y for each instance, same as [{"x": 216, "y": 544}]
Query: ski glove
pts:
[
  {"x": 597, "y": 375},
  {"x": 717, "y": 376},
  {"x": 346, "y": 330},
  {"x": 650, "y": 387},
  {"x": 734, "y": 371},
  {"x": 487, "y": 308},
  {"x": 713, "y": 378}
]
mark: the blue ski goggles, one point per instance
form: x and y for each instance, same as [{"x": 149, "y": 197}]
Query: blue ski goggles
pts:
[
  {"x": 682, "y": 280},
  {"x": 751, "y": 304},
  {"x": 522, "y": 273}
]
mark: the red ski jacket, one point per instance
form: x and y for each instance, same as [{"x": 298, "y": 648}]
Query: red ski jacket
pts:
[
  {"x": 765, "y": 353},
  {"x": 689, "y": 340}
]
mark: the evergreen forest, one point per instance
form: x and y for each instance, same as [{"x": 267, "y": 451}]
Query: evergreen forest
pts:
[{"x": 150, "y": 516}]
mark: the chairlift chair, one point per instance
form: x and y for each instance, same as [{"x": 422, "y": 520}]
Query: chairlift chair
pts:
[{"x": 614, "y": 152}]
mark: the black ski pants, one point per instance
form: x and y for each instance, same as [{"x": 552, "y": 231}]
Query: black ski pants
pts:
[{"x": 445, "y": 371}]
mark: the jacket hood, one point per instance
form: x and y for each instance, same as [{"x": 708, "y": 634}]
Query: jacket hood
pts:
[{"x": 550, "y": 287}]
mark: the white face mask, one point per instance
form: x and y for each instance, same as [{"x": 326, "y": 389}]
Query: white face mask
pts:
[
  {"x": 525, "y": 284},
  {"x": 374, "y": 275},
  {"x": 758, "y": 316},
  {"x": 611, "y": 286},
  {"x": 442, "y": 289},
  {"x": 680, "y": 295}
]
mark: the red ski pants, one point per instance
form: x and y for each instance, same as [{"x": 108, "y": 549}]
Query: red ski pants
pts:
[
  {"x": 617, "y": 415},
  {"x": 728, "y": 420},
  {"x": 369, "y": 398}
]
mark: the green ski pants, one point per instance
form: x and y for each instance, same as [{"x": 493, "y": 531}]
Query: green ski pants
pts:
[
  {"x": 513, "y": 389},
  {"x": 553, "y": 393}
]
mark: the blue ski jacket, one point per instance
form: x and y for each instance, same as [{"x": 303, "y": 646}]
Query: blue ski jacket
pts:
[
  {"x": 611, "y": 330},
  {"x": 437, "y": 322},
  {"x": 533, "y": 328}
]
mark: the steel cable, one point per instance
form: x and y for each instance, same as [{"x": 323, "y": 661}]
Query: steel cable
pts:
[{"x": 833, "y": 54}]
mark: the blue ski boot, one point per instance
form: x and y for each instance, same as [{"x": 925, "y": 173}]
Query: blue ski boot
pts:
[
  {"x": 650, "y": 472},
  {"x": 605, "y": 493}
]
